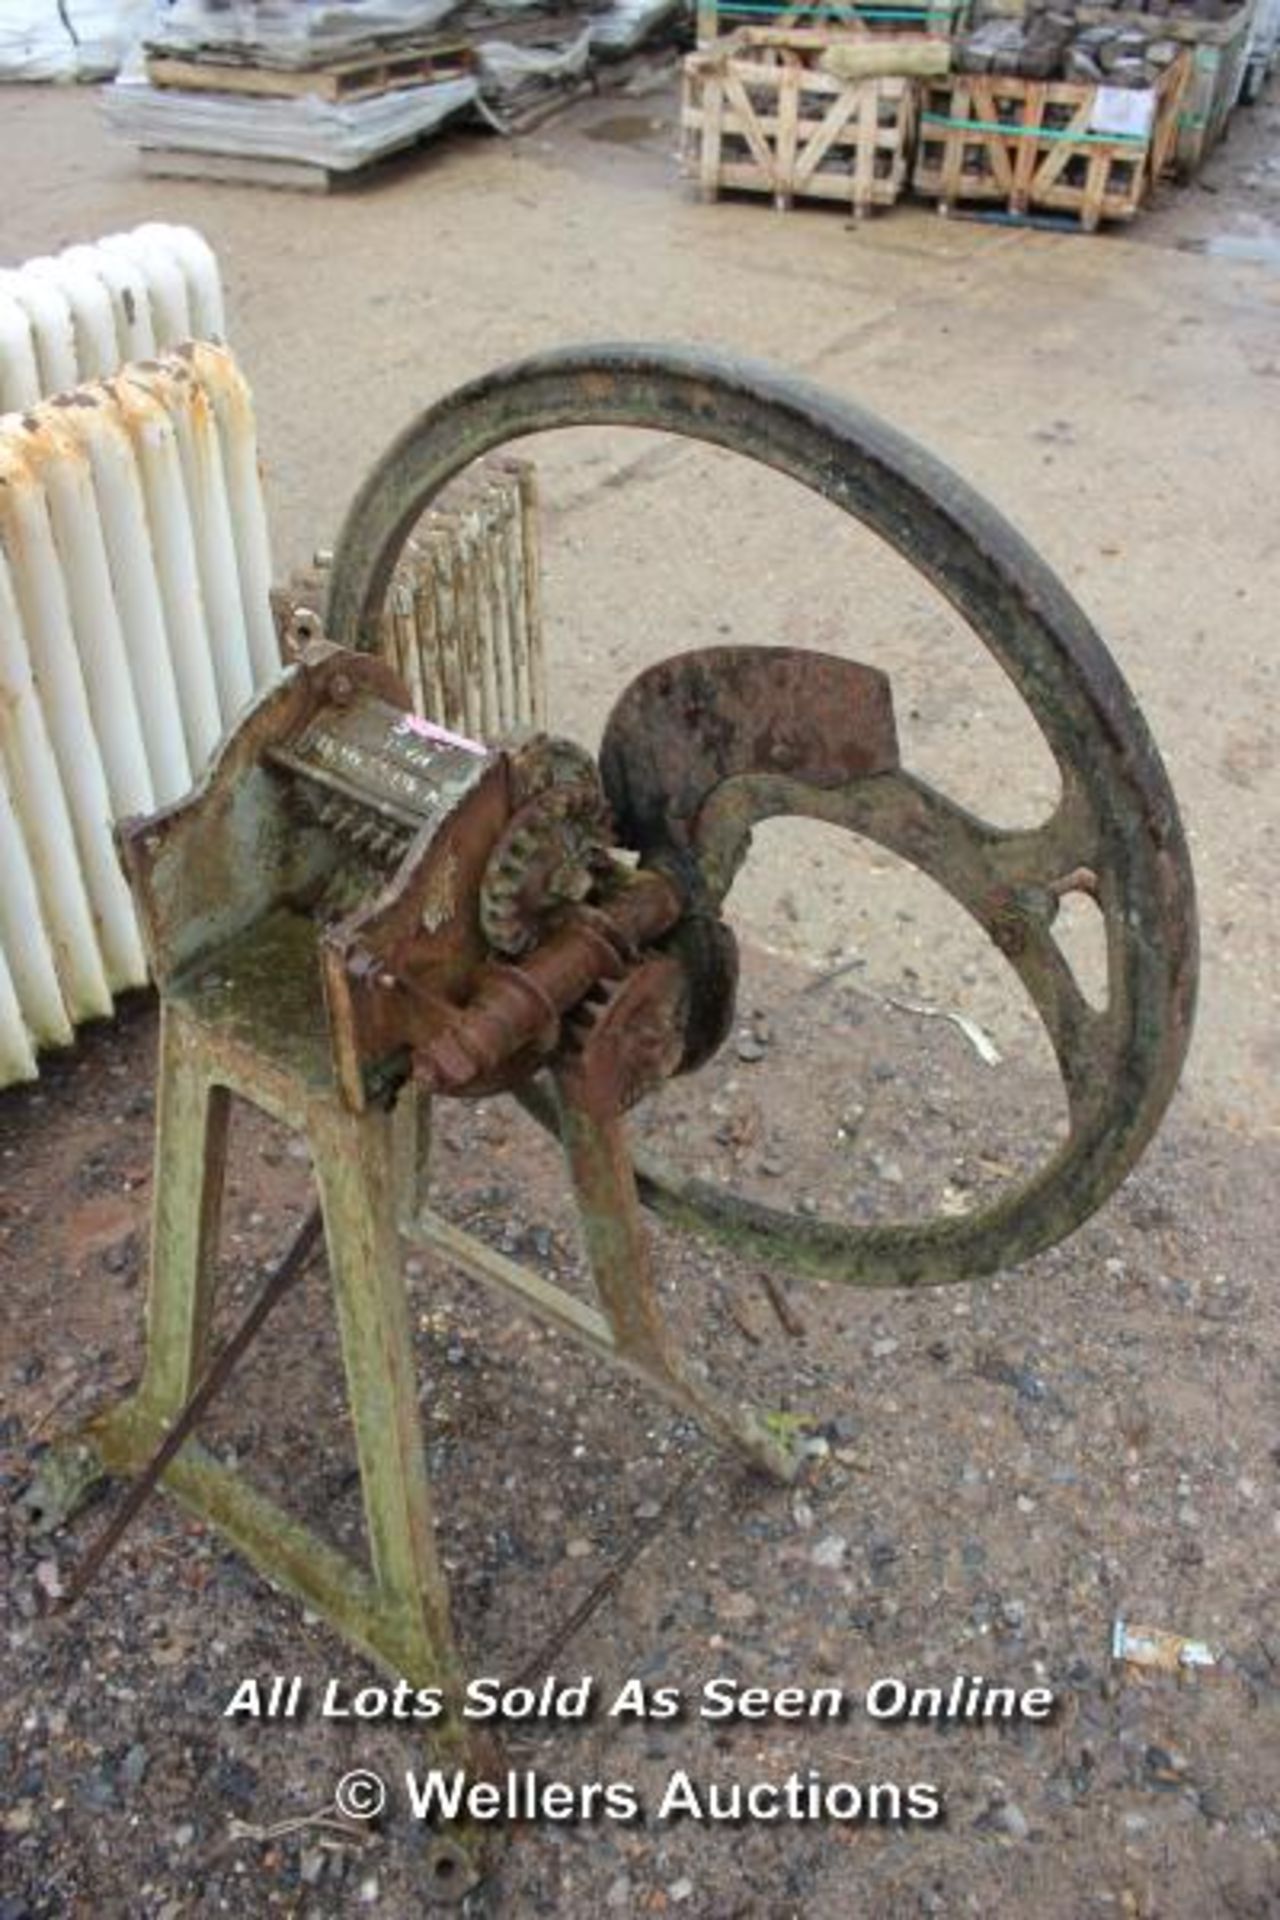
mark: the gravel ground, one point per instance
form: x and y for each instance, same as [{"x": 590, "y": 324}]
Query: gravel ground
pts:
[{"x": 997, "y": 1475}]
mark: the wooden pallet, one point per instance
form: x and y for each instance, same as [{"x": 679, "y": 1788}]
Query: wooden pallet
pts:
[
  {"x": 358, "y": 78},
  {"x": 1034, "y": 145},
  {"x": 759, "y": 115}
]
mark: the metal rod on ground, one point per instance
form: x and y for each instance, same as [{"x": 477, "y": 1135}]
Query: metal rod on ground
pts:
[
  {"x": 540, "y": 1663},
  {"x": 275, "y": 1286}
]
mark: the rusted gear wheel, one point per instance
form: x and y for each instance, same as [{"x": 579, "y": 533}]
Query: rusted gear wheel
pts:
[
  {"x": 1116, "y": 820},
  {"x": 554, "y": 849}
]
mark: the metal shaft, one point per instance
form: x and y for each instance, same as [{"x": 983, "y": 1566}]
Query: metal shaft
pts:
[{"x": 275, "y": 1286}]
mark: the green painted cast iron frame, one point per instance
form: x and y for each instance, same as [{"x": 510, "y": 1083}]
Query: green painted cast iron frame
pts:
[
  {"x": 1116, "y": 824},
  {"x": 223, "y": 1037}
]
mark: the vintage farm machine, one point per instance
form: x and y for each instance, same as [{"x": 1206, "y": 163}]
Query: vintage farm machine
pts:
[{"x": 358, "y": 912}]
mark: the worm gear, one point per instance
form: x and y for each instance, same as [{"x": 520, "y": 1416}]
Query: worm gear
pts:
[{"x": 555, "y": 849}]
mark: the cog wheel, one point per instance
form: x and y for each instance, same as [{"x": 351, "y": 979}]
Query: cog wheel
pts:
[{"x": 555, "y": 849}]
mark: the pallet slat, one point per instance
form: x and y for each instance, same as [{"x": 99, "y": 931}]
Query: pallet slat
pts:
[{"x": 358, "y": 78}]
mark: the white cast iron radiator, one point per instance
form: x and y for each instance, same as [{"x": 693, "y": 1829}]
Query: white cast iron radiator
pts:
[
  {"x": 83, "y": 313},
  {"x": 135, "y": 623},
  {"x": 135, "y": 609},
  {"x": 463, "y": 620}
]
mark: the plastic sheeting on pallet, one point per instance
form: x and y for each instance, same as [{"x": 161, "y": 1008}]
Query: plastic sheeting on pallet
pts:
[
  {"x": 85, "y": 40},
  {"x": 623, "y": 25},
  {"x": 291, "y": 33},
  {"x": 505, "y": 68},
  {"x": 336, "y": 135}
]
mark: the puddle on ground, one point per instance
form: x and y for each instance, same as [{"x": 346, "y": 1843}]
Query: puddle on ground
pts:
[
  {"x": 626, "y": 129},
  {"x": 1261, "y": 248}
]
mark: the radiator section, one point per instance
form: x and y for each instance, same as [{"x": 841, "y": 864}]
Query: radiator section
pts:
[
  {"x": 86, "y": 312},
  {"x": 135, "y": 625}
]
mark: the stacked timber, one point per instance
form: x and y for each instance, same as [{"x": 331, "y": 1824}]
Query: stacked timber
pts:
[
  {"x": 290, "y": 95},
  {"x": 307, "y": 93}
]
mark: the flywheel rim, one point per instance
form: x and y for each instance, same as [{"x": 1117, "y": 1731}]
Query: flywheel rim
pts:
[{"x": 1116, "y": 796}]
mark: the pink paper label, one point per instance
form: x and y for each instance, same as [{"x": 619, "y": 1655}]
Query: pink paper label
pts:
[{"x": 428, "y": 730}]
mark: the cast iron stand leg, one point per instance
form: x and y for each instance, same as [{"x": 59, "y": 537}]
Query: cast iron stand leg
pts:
[
  {"x": 192, "y": 1118},
  {"x": 594, "y": 1138}
]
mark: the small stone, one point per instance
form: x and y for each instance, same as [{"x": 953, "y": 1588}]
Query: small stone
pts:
[
  {"x": 680, "y": 1890},
  {"x": 133, "y": 1768},
  {"x": 1010, "y": 1819},
  {"x": 1163, "y": 1769},
  {"x": 97, "y": 1791},
  {"x": 49, "y": 1580},
  {"x": 802, "y": 1513},
  {"x": 369, "y": 1890},
  {"x": 648, "y": 1510},
  {"x": 748, "y": 1048},
  {"x": 183, "y": 1836},
  {"x": 119, "y": 1258},
  {"x": 311, "y": 1866},
  {"x": 887, "y": 1170},
  {"x": 881, "y": 1349},
  {"x": 619, "y": 1894},
  {"x": 830, "y": 1552},
  {"x": 578, "y": 1550},
  {"x": 737, "y": 1607}
]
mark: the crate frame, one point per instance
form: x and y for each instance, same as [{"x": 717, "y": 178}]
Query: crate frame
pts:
[
  {"x": 969, "y": 149},
  {"x": 815, "y": 114}
]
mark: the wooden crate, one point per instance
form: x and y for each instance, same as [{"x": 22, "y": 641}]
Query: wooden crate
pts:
[
  {"x": 760, "y": 116},
  {"x": 359, "y": 78},
  {"x": 1033, "y": 146}
]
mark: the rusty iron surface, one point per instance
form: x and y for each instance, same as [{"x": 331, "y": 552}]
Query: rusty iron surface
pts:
[
  {"x": 684, "y": 727},
  {"x": 1115, "y": 833}
]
